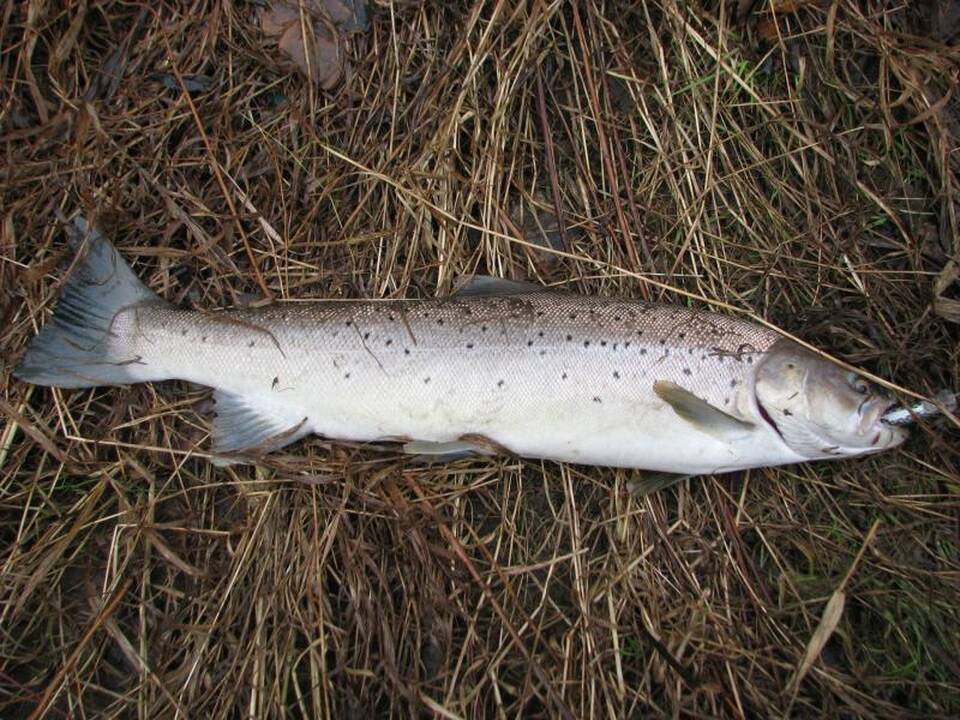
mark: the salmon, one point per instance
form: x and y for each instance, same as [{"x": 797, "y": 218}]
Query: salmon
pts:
[{"x": 498, "y": 367}]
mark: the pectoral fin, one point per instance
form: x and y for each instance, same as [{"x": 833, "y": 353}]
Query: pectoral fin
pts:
[{"x": 699, "y": 413}]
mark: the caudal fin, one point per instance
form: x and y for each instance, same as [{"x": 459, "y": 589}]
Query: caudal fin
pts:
[{"x": 74, "y": 349}]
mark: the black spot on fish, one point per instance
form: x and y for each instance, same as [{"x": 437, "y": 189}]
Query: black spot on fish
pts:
[
  {"x": 276, "y": 381},
  {"x": 726, "y": 401},
  {"x": 469, "y": 346},
  {"x": 617, "y": 318},
  {"x": 691, "y": 351},
  {"x": 348, "y": 323},
  {"x": 346, "y": 376},
  {"x": 366, "y": 336},
  {"x": 663, "y": 341},
  {"x": 749, "y": 359},
  {"x": 787, "y": 412},
  {"x": 616, "y": 375},
  {"x": 426, "y": 381},
  {"x": 251, "y": 343},
  {"x": 686, "y": 371},
  {"x": 563, "y": 377},
  {"x": 439, "y": 321},
  {"x": 388, "y": 342},
  {"x": 733, "y": 383},
  {"x": 542, "y": 353},
  {"x": 483, "y": 328},
  {"x": 539, "y": 313},
  {"x": 183, "y": 332},
  {"x": 643, "y": 351},
  {"x": 615, "y": 345},
  {"x": 603, "y": 343},
  {"x": 682, "y": 336},
  {"x": 500, "y": 383},
  {"x": 391, "y": 318},
  {"x": 569, "y": 338},
  {"x": 540, "y": 334},
  {"x": 639, "y": 333},
  {"x": 529, "y": 343},
  {"x": 573, "y": 316},
  {"x": 596, "y": 399},
  {"x": 406, "y": 351},
  {"x": 203, "y": 338},
  {"x": 586, "y": 343},
  {"x": 626, "y": 344}
]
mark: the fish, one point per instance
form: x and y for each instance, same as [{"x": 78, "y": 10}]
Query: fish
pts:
[{"x": 497, "y": 367}]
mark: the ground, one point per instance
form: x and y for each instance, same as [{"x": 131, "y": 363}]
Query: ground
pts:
[{"x": 791, "y": 161}]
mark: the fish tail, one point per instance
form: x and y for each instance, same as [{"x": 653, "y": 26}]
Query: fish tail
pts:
[{"x": 78, "y": 347}]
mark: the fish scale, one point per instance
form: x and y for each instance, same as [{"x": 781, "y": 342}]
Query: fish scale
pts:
[{"x": 541, "y": 374}]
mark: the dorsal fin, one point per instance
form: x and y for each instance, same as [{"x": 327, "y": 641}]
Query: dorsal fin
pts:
[{"x": 487, "y": 285}]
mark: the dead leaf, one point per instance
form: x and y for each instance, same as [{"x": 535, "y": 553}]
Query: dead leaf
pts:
[
  {"x": 542, "y": 228},
  {"x": 825, "y": 629},
  {"x": 767, "y": 29},
  {"x": 275, "y": 19},
  {"x": 315, "y": 53},
  {"x": 790, "y": 6},
  {"x": 948, "y": 283},
  {"x": 306, "y": 36},
  {"x": 348, "y": 15}
]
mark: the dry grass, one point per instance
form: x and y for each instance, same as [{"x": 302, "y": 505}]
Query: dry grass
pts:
[{"x": 810, "y": 179}]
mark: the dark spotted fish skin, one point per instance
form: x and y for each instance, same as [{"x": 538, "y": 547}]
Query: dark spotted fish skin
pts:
[{"x": 534, "y": 372}]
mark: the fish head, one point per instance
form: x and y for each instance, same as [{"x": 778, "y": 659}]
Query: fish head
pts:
[{"x": 819, "y": 409}]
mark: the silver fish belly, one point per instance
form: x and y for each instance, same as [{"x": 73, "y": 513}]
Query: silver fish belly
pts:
[{"x": 539, "y": 374}]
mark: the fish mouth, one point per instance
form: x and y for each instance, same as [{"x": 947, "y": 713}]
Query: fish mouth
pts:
[
  {"x": 871, "y": 411},
  {"x": 881, "y": 434}
]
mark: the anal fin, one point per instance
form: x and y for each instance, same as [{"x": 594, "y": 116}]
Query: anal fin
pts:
[
  {"x": 444, "y": 451},
  {"x": 243, "y": 424}
]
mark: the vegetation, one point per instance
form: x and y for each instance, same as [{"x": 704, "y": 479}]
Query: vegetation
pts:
[{"x": 794, "y": 161}]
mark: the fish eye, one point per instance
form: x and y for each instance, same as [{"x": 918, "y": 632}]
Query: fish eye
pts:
[{"x": 857, "y": 383}]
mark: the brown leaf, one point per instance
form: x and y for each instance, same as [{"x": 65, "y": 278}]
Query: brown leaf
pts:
[
  {"x": 790, "y": 6},
  {"x": 767, "y": 29},
  {"x": 315, "y": 52},
  {"x": 948, "y": 283},
  {"x": 348, "y": 15},
  {"x": 274, "y": 20},
  {"x": 306, "y": 40}
]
